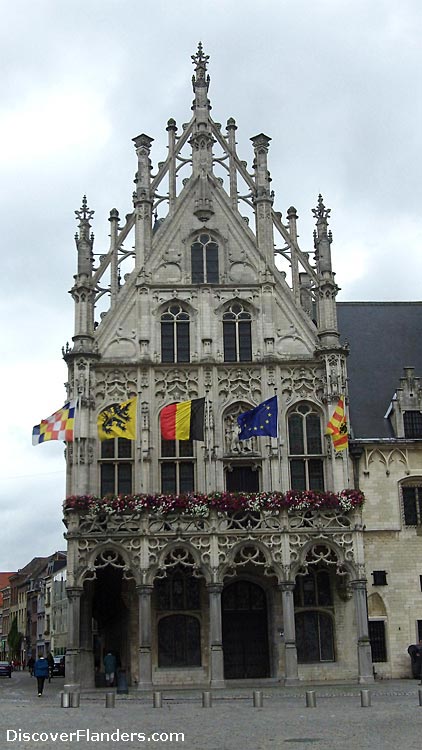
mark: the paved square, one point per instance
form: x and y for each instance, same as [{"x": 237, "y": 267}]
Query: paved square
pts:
[{"x": 338, "y": 721}]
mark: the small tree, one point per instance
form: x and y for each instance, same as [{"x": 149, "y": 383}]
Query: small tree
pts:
[{"x": 14, "y": 639}]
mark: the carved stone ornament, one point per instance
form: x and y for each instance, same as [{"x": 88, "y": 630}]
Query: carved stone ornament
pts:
[
  {"x": 302, "y": 382},
  {"x": 176, "y": 385},
  {"x": 239, "y": 383},
  {"x": 115, "y": 385}
]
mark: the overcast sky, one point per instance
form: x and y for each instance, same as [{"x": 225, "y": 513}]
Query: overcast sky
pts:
[{"x": 335, "y": 83}]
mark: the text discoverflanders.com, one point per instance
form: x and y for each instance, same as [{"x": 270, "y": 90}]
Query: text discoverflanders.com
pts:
[{"x": 88, "y": 735}]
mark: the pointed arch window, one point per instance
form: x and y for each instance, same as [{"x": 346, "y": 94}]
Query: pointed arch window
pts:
[
  {"x": 237, "y": 334},
  {"x": 175, "y": 335},
  {"x": 313, "y": 598},
  {"x": 204, "y": 260},
  {"x": 306, "y": 459}
]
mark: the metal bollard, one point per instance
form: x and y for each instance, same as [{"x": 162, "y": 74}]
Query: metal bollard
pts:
[
  {"x": 75, "y": 699},
  {"x": 157, "y": 700},
  {"x": 206, "y": 699},
  {"x": 110, "y": 700},
  {"x": 310, "y": 699},
  {"x": 365, "y": 698},
  {"x": 122, "y": 688},
  {"x": 420, "y": 696},
  {"x": 64, "y": 700},
  {"x": 257, "y": 698}
]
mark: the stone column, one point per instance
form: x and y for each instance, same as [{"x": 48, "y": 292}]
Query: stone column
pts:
[
  {"x": 365, "y": 670},
  {"x": 263, "y": 198},
  {"x": 145, "y": 637},
  {"x": 74, "y": 594},
  {"x": 86, "y": 653},
  {"x": 290, "y": 653},
  {"x": 216, "y": 636}
]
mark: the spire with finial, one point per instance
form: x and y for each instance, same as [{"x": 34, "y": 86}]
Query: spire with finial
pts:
[
  {"x": 84, "y": 241},
  {"x": 322, "y": 237},
  {"x": 200, "y": 79}
]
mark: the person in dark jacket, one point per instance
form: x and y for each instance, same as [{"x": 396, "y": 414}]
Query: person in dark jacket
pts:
[
  {"x": 415, "y": 653},
  {"x": 41, "y": 672},
  {"x": 50, "y": 659},
  {"x": 109, "y": 667}
]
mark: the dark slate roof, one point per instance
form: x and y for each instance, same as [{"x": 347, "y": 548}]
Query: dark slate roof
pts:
[{"x": 384, "y": 337}]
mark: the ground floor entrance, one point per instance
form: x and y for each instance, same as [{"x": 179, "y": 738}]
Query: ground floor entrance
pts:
[
  {"x": 182, "y": 628},
  {"x": 245, "y": 631}
]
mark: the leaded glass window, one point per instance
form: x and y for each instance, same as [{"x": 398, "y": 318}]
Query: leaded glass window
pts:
[
  {"x": 175, "y": 337},
  {"x": 412, "y": 504},
  {"x": 177, "y": 466},
  {"x": 314, "y": 627},
  {"x": 412, "y": 421},
  {"x": 204, "y": 260},
  {"x": 116, "y": 466},
  {"x": 305, "y": 448},
  {"x": 179, "y": 641},
  {"x": 237, "y": 334},
  {"x": 179, "y": 590}
]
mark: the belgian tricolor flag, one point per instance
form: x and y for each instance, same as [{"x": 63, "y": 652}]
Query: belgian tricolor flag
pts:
[{"x": 183, "y": 421}]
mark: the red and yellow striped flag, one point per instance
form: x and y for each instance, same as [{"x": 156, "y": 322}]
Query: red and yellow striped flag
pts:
[
  {"x": 183, "y": 421},
  {"x": 337, "y": 427}
]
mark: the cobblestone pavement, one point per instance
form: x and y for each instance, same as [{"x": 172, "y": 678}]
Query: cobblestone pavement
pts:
[{"x": 337, "y": 722}]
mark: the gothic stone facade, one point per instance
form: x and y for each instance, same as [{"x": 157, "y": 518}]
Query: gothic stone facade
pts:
[{"x": 216, "y": 299}]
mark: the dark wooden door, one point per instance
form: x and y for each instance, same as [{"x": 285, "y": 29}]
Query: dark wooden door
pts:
[{"x": 245, "y": 631}]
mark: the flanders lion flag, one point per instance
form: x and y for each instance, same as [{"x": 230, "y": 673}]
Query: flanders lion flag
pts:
[{"x": 118, "y": 420}]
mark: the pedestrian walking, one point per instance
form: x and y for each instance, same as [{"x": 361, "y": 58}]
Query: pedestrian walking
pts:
[
  {"x": 41, "y": 672},
  {"x": 109, "y": 668},
  {"x": 50, "y": 659}
]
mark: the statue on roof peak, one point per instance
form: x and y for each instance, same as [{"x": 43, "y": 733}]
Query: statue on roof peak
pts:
[{"x": 200, "y": 79}]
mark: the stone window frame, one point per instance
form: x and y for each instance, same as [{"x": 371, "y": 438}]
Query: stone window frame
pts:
[
  {"x": 206, "y": 274},
  {"x": 177, "y": 454},
  {"x": 237, "y": 337},
  {"x": 176, "y": 317},
  {"x": 375, "y": 657},
  {"x": 307, "y": 456},
  {"x": 416, "y": 483},
  {"x": 121, "y": 455},
  {"x": 412, "y": 424},
  {"x": 379, "y": 578}
]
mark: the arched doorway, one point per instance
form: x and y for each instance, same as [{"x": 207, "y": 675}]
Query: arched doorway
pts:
[
  {"x": 245, "y": 631},
  {"x": 178, "y": 606},
  {"x": 314, "y": 609},
  {"x": 113, "y": 600}
]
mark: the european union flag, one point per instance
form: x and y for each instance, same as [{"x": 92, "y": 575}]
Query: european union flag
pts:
[{"x": 262, "y": 420}]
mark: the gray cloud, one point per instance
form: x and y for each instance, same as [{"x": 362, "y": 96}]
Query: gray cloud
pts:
[{"x": 336, "y": 86}]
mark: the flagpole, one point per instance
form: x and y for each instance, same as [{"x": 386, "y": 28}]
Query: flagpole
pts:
[
  {"x": 207, "y": 444},
  {"x": 278, "y": 440},
  {"x": 270, "y": 470},
  {"x": 347, "y": 415},
  {"x": 77, "y": 440},
  {"x": 139, "y": 432}
]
